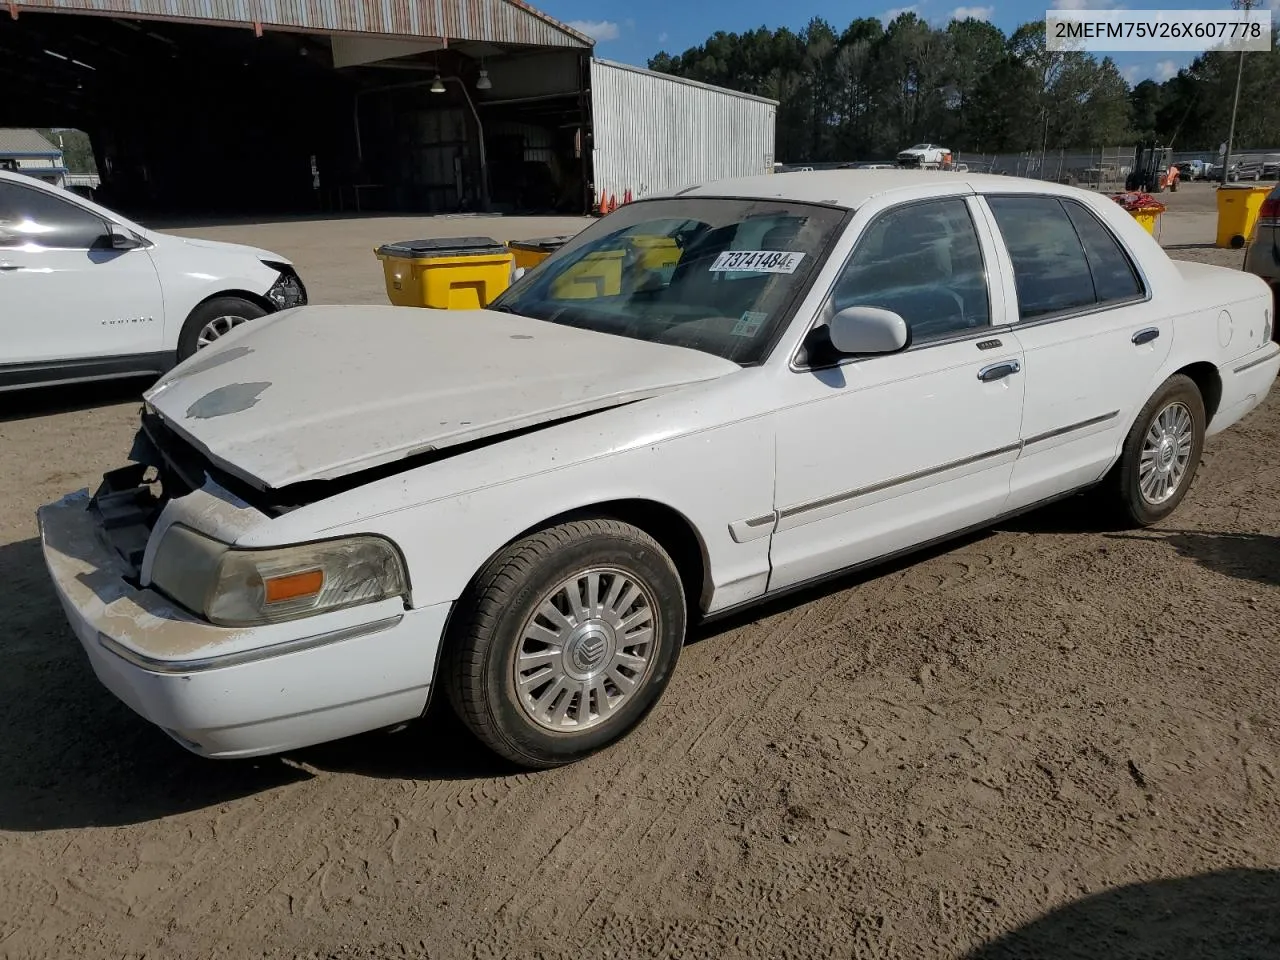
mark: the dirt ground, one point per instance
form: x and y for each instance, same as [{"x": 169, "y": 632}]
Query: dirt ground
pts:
[{"x": 1049, "y": 741}]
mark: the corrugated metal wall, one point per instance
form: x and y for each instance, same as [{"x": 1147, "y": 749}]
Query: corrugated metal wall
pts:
[
  {"x": 493, "y": 21},
  {"x": 655, "y": 133}
]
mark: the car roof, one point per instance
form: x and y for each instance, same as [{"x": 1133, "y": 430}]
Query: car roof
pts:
[{"x": 850, "y": 189}]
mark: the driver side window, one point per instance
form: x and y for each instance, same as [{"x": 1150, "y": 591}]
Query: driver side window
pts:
[{"x": 924, "y": 262}]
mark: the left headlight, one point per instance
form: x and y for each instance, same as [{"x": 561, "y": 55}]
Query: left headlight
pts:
[
  {"x": 288, "y": 290},
  {"x": 237, "y": 588}
]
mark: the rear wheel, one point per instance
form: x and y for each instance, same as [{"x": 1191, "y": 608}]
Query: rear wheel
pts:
[
  {"x": 214, "y": 319},
  {"x": 1161, "y": 453},
  {"x": 566, "y": 641}
]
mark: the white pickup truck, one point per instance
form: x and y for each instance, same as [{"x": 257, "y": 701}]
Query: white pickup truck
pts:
[{"x": 925, "y": 156}]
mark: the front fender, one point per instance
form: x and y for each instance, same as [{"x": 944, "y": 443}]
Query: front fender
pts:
[{"x": 713, "y": 478}]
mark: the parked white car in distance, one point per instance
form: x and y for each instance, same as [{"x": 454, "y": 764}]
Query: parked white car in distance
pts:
[
  {"x": 527, "y": 506},
  {"x": 89, "y": 295}
]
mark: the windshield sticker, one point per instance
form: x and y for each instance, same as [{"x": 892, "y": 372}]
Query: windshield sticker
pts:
[
  {"x": 757, "y": 261},
  {"x": 751, "y": 322}
]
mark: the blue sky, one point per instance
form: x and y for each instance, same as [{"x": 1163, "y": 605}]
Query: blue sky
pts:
[{"x": 632, "y": 32}]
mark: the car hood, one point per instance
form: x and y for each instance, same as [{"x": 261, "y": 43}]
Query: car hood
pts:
[
  {"x": 320, "y": 392},
  {"x": 219, "y": 246}
]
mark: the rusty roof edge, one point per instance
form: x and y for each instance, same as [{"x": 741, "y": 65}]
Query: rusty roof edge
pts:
[
  {"x": 685, "y": 80},
  {"x": 546, "y": 18}
]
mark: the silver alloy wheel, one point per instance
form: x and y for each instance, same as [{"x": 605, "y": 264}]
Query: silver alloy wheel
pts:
[
  {"x": 1166, "y": 453},
  {"x": 586, "y": 650},
  {"x": 217, "y": 328}
]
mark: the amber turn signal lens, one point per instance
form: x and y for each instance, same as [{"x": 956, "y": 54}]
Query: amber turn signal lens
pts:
[{"x": 293, "y": 586}]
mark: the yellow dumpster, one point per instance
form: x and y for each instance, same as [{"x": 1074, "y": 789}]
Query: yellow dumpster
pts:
[
  {"x": 656, "y": 252},
  {"x": 529, "y": 253},
  {"x": 597, "y": 274},
  {"x": 455, "y": 273},
  {"x": 1238, "y": 206},
  {"x": 1147, "y": 218}
]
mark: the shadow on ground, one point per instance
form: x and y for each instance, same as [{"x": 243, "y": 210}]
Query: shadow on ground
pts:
[
  {"x": 46, "y": 401},
  {"x": 1190, "y": 246},
  {"x": 1227, "y": 915},
  {"x": 1245, "y": 556}
]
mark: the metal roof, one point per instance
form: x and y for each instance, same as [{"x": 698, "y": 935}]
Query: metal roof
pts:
[
  {"x": 492, "y": 21},
  {"x": 19, "y": 142}
]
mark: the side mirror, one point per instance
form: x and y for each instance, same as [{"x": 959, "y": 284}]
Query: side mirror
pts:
[
  {"x": 122, "y": 239},
  {"x": 862, "y": 330}
]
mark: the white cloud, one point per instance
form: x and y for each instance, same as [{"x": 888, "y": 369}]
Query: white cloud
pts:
[
  {"x": 975, "y": 13},
  {"x": 598, "y": 30},
  {"x": 663, "y": 37},
  {"x": 1165, "y": 70},
  {"x": 1132, "y": 74},
  {"x": 891, "y": 15}
]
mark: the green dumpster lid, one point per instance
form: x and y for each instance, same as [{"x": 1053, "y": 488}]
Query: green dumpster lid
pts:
[
  {"x": 539, "y": 245},
  {"x": 442, "y": 247}
]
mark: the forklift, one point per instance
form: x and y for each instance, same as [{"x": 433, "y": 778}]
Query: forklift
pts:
[{"x": 1153, "y": 169}]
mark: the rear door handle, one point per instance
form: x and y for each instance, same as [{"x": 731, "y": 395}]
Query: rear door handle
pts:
[
  {"x": 998, "y": 371},
  {"x": 10, "y": 266},
  {"x": 1145, "y": 336}
]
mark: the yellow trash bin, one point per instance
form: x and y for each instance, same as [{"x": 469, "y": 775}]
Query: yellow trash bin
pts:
[
  {"x": 656, "y": 252},
  {"x": 1147, "y": 218},
  {"x": 597, "y": 274},
  {"x": 1238, "y": 207},
  {"x": 455, "y": 273},
  {"x": 529, "y": 253}
]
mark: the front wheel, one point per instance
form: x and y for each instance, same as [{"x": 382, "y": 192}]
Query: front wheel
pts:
[
  {"x": 1161, "y": 453},
  {"x": 565, "y": 641},
  {"x": 213, "y": 320}
]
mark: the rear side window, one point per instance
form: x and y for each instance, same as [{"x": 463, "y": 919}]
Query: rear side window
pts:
[
  {"x": 1114, "y": 278},
  {"x": 1064, "y": 259}
]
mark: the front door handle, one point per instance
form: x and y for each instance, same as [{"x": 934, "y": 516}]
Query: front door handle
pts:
[
  {"x": 10, "y": 266},
  {"x": 998, "y": 371},
  {"x": 1145, "y": 336}
]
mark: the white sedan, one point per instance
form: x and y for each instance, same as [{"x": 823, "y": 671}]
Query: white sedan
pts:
[
  {"x": 337, "y": 510},
  {"x": 88, "y": 295}
]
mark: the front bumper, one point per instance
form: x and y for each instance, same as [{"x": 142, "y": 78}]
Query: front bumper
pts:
[{"x": 224, "y": 692}]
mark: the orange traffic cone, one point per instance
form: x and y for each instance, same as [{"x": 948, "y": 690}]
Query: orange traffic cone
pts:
[
  {"x": 613, "y": 202},
  {"x": 627, "y": 198}
]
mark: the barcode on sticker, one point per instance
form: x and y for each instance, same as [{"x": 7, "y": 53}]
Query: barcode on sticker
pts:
[{"x": 757, "y": 261}]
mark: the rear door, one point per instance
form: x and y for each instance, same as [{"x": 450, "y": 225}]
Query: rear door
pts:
[
  {"x": 65, "y": 293},
  {"x": 1093, "y": 340}
]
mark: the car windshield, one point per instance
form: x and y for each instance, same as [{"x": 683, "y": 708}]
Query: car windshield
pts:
[
  {"x": 923, "y": 146},
  {"x": 717, "y": 275}
]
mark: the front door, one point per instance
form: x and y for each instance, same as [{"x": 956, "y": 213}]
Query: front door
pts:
[
  {"x": 66, "y": 294},
  {"x": 883, "y": 453}
]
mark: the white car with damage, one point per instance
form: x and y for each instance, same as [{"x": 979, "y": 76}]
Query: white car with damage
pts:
[
  {"x": 86, "y": 294},
  {"x": 337, "y": 510}
]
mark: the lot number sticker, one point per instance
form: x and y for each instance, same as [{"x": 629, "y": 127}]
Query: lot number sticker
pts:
[{"x": 757, "y": 261}]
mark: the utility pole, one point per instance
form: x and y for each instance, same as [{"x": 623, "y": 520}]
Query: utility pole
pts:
[{"x": 1245, "y": 5}]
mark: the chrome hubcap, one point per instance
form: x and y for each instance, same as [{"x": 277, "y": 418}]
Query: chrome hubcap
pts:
[
  {"x": 586, "y": 650},
  {"x": 216, "y": 329},
  {"x": 1166, "y": 454}
]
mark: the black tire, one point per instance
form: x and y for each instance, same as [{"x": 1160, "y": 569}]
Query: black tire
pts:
[
  {"x": 210, "y": 310},
  {"x": 1133, "y": 507},
  {"x": 491, "y": 619}
]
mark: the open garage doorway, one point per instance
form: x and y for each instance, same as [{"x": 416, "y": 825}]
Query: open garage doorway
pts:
[{"x": 195, "y": 120}]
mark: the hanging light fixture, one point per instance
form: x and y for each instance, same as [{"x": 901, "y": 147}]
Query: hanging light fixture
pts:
[
  {"x": 437, "y": 85},
  {"x": 484, "y": 83}
]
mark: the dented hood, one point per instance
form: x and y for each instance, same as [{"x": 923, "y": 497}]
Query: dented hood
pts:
[{"x": 320, "y": 392}]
